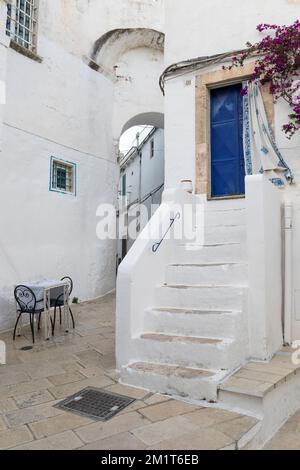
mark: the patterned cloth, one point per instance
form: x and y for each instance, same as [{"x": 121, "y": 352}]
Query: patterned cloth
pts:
[
  {"x": 261, "y": 152},
  {"x": 39, "y": 287}
]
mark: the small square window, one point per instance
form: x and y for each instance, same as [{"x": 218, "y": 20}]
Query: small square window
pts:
[
  {"x": 63, "y": 176},
  {"x": 21, "y": 23}
]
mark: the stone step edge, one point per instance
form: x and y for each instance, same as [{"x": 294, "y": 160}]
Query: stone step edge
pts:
[
  {"x": 209, "y": 374},
  {"x": 203, "y": 286},
  {"x": 208, "y": 245},
  {"x": 207, "y": 265},
  {"x": 254, "y": 393},
  {"x": 183, "y": 339},
  {"x": 191, "y": 311}
]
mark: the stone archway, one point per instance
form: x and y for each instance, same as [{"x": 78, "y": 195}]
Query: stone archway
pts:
[
  {"x": 148, "y": 119},
  {"x": 111, "y": 46},
  {"x": 133, "y": 58},
  {"x": 142, "y": 175}
]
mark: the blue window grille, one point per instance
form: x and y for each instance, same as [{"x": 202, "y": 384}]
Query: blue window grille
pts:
[
  {"x": 63, "y": 176},
  {"x": 21, "y": 23}
]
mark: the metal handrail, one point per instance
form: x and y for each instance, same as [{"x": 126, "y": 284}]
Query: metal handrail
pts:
[
  {"x": 157, "y": 245},
  {"x": 137, "y": 202}
]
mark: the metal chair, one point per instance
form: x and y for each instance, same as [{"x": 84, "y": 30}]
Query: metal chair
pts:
[
  {"x": 59, "y": 303},
  {"x": 27, "y": 303}
]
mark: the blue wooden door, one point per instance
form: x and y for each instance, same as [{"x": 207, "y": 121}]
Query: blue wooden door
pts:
[{"x": 227, "y": 154}]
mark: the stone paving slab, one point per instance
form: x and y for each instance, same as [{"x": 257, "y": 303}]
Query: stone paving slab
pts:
[
  {"x": 152, "y": 434},
  {"x": 32, "y": 399},
  {"x": 207, "y": 417},
  {"x": 124, "y": 441},
  {"x": 122, "y": 423},
  {"x": 166, "y": 410},
  {"x": 58, "y": 424},
  {"x": 288, "y": 437},
  {"x": 7, "y": 405},
  {"x": 30, "y": 415},
  {"x": 2, "y": 424},
  {"x": 63, "y": 391},
  {"x": 13, "y": 437},
  {"x": 137, "y": 393},
  {"x": 66, "y": 378},
  {"x": 65, "y": 441},
  {"x": 209, "y": 439}
]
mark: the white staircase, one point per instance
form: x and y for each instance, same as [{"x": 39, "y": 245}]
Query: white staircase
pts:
[{"x": 195, "y": 334}]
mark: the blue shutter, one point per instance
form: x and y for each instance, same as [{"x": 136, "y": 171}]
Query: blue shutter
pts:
[{"x": 227, "y": 154}]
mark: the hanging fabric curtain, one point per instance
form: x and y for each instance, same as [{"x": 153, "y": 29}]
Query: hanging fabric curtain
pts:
[{"x": 261, "y": 152}]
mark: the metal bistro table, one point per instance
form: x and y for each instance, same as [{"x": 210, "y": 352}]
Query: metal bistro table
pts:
[{"x": 48, "y": 289}]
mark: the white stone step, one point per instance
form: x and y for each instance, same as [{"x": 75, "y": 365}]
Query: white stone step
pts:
[
  {"x": 173, "y": 380},
  {"x": 207, "y": 273},
  {"x": 201, "y": 297},
  {"x": 193, "y": 253},
  {"x": 225, "y": 204},
  {"x": 221, "y": 234},
  {"x": 221, "y": 324},
  {"x": 225, "y": 218},
  {"x": 189, "y": 351}
]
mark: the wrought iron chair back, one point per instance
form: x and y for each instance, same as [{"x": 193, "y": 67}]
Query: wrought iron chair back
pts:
[
  {"x": 58, "y": 302},
  {"x": 25, "y": 299},
  {"x": 70, "y": 282}
]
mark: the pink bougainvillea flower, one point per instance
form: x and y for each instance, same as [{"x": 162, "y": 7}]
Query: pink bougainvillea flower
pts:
[{"x": 278, "y": 66}]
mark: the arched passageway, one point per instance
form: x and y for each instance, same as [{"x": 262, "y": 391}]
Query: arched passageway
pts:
[
  {"x": 146, "y": 119},
  {"x": 142, "y": 176}
]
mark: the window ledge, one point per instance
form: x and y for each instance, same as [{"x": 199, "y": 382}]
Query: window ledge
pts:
[{"x": 27, "y": 53}]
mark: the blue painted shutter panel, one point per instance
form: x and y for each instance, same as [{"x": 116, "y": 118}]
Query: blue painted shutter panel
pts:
[{"x": 227, "y": 154}]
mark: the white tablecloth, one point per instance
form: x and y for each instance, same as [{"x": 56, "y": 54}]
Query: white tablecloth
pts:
[{"x": 39, "y": 287}]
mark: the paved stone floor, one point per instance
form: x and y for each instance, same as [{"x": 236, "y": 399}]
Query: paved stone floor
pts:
[
  {"x": 35, "y": 380},
  {"x": 288, "y": 437}
]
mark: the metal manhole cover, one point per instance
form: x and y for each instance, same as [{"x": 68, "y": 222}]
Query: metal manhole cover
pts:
[{"x": 95, "y": 404}]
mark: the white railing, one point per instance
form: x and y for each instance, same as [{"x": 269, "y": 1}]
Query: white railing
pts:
[{"x": 142, "y": 271}]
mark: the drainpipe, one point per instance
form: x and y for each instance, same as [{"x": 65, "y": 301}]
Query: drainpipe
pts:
[
  {"x": 139, "y": 154},
  {"x": 288, "y": 275}
]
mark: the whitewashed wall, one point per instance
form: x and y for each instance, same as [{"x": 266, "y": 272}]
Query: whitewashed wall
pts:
[
  {"x": 195, "y": 29},
  {"x": 4, "y": 42},
  {"x": 153, "y": 169},
  {"x": 132, "y": 173},
  {"x": 61, "y": 108}
]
